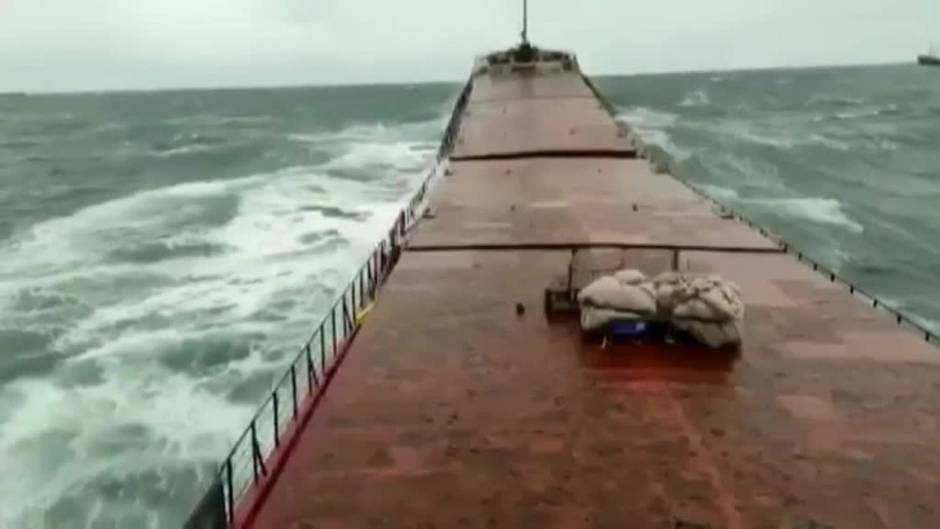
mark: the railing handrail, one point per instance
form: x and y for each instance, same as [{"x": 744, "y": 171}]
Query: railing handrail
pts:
[{"x": 217, "y": 508}]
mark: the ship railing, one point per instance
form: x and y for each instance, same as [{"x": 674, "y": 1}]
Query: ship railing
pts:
[{"x": 256, "y": 457}]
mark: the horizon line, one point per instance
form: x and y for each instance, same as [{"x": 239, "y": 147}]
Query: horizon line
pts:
[{"x": 357, "y": 84}]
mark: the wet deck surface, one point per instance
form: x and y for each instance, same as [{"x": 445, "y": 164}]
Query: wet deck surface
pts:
[
  {"x": 453, "y": 411},
  {"x": 538, "y": 114},
  {"x": 562, "y": 85},
  {"x": 540, "y": 201}
]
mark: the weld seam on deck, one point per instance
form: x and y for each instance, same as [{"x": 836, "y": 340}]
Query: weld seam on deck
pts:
[
  {"x": 627, "y": 154},
  {"x": 494, "y": 100},
  {"x": 590, "y": 246}
]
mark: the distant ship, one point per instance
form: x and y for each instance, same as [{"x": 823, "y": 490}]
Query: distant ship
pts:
[{"x": 931, "y": 58}]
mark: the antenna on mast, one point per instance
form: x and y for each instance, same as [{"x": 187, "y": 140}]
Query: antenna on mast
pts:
[{"x": 525, "y": 22}]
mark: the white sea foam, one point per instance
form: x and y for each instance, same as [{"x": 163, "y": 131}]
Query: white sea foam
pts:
[
  {"x": 371, "y": 133},
  {"x": 815, "y": 209},
  {"x": 718, "y": 192},
  {"x": 647, "y": 118},
  {"x": 770, "y": 134},
  {"x": 743, "y": 171},
  {"x": 826, "y": 141},
  {"x": 400, "y": 155},
  {"x": 195, "y": 148},
  {"x": 164, "y": 343},
  {"x": 653, "y": 128},
  {"x": 758, "y": 133},
  {"x": 212, "y": 120},
  {"x": 698, "y": 98}
]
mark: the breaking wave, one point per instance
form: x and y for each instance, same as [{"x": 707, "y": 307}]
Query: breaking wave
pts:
[
  {"x": 818, "y": 210},
  {"x": 653, "y": 127},
  {"x": 141, "y": 331},
  {"x": 698, "y": 98}
]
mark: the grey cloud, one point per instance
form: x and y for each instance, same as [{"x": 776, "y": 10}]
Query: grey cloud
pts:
[{"x": 55, "y": 45}]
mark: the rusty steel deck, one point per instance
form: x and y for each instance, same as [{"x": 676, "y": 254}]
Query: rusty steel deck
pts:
[{"x": 454, "y": 410}]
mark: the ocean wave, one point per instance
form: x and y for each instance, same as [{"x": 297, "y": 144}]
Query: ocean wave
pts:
[
  {"x": 718, "y": 192},
  {"x": 857, "y": 114},
  {"x": 814, "y": 209},
  {"x": 193, "y": 295},
  {"x": 366, "y": 156},
  {"x": 151, "y": 316},
  {"x": 20, "y": 143},
  {"x": 739, "y": 172},
  {"x": 647, "y": 118},
  {"x": 184, "y": 144},
  {"x": 826, "y": 141},
  {"x": 891, "y": 109},
  {"x": 376, "y": 133},
  {"x": 652, "y": 127},
  {"x": 155, "y": 251},
  {"x": 861, "y": 113},
  {"x": 698, "y": 98},
  {"x": 744, "y": 131},
  {"x": 770, "y": 135},
  {"x": 833, "y": 100},
  {"x": 197, "y": 148},
  {"x": 211, "y": 120}
]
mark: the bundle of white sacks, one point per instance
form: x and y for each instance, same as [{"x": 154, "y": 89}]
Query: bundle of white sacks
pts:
[{"x": 709, "y": 308}]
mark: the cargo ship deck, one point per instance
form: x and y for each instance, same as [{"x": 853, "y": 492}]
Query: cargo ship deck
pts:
[{"x": 461, "y": 404}]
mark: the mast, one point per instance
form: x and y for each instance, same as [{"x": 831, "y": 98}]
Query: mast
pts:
[{"x": 525, "y": 22}]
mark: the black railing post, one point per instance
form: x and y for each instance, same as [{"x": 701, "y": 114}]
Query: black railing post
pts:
[
  {"x": 378, "y": 263},
  {"x": 333, "y": 328},
  {"x": 230, "y": 480},
  {"x": 277, "y": 437},
  {"x": 311, "y": 370},
  {"x": 322, "y": 352},
  {"x": 293, "y": 387},
  {"x": 352, "y": 289},
  {"x": 381, "y": 272},
  {"x": 362, "y": 288},
  {"x": 257, "y": 460},
  {"x": 370, "y": 269},
  {"x": 347, "y": 322}
]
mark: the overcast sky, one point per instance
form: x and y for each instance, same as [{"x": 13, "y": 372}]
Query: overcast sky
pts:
[{"x": 63, "y": 45}]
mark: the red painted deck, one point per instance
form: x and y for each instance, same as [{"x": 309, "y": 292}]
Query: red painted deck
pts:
[
  {"x": 556, "y": 113},
  {"x": 453, "y": 411},
  {"x": 558, "y": 201}
]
